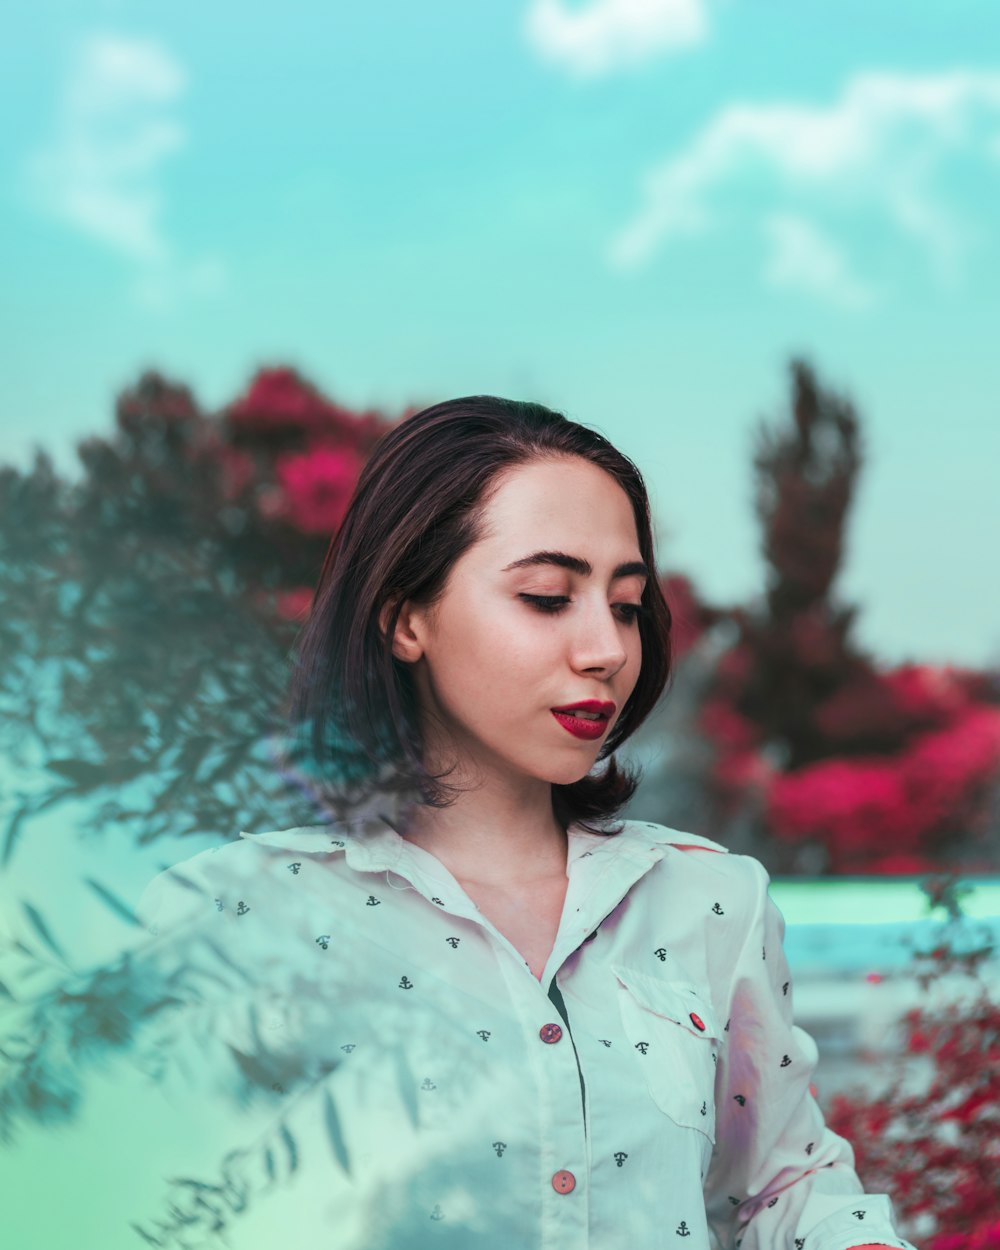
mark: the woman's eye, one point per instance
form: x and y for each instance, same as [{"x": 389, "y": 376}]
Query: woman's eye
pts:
[{"x": 555, "y": 603}]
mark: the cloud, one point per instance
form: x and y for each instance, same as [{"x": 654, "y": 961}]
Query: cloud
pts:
[
  {"x": 602, "y": 36},
  {"x": 879, "y": 147},
  {"x": 100, "y": 170},
  {"x": 803, "y": 258}
]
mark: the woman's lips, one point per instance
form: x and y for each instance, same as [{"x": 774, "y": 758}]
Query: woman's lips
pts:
[{"x": 579, "y": 727}]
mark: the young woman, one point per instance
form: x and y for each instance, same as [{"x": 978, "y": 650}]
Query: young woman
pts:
[{"x": 486, "y": 1013}]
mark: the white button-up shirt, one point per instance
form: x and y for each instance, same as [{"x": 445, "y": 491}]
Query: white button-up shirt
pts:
[{"x": 416, "y": 1086}]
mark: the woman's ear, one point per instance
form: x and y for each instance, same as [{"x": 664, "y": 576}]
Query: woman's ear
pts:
[{"x": 406, "y": 643}]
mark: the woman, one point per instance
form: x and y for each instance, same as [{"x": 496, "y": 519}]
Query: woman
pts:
[{"x": 494, "y": 1016}]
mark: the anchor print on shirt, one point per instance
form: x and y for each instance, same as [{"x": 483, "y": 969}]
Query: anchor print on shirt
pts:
[
  {"x": 405, "y": 983},
  {"x": 348, "y": 1046},
  {"x": 785, "y": 1061},
  {"x": 682, "y": 1229},
  {"x": 323, "y": 940},
  {"x": 784, "y": 988},
  {"x": 241, "y": 908},
  {"x": 620, "y": 1157},
  {"x": 604, "y": 1041},
  {"x": 437, "y": 1213},
  {"x": 860, "y": 1214},
  {"x": 799, "y": 1243},
  {"x": 373, "y": 901},
  {"x": 453, "y": 941},
  {"x": 499, "y": 1147},
  {"x": 718, "y": 910},
  {"x": 435, "y": 899},
  {"x": 427, "y": 1083},
  {"x": 484, "y": 1034},
  {"x": 294, "y": 868},
  {"x": 218, "y": 904},
  {"x": 660, "y": 953}
]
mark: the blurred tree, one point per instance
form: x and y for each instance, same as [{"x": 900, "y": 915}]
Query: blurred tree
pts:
[
  {"x": 931, "y": 1138},
  {"x": 146, "y": 612},
  {"x": 823, "y": 762}
]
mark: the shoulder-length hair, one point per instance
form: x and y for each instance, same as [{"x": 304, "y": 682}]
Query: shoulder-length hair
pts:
[{"x": 418, "y": 505}]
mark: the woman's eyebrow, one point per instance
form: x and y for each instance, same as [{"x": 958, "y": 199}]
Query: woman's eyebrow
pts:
[{"x": 576, "y": 564}]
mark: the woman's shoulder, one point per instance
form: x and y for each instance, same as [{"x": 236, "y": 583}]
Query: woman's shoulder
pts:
[{"x": 705, "y": 864}]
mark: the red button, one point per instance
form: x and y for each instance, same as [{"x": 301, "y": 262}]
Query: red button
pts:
[
  {"x": 550, "y": 1032},
  {"x": 697, "y": 1022},
  {"x": 563, "y": 1182}
]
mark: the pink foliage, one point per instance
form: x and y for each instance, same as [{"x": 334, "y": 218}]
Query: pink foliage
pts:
[{"x": 316, "y": 487}]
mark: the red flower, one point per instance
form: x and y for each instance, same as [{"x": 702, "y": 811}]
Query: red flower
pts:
[{"x": 316, "y": 487}]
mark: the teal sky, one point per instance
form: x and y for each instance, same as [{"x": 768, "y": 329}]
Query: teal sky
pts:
[{"x": 633, "y": 210}]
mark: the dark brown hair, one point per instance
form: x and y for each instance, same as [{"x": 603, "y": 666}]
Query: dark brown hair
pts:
[{"x": 418, "y": 505}]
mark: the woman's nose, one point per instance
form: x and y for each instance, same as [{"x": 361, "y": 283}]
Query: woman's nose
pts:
[{"x": 598, "y": 642}]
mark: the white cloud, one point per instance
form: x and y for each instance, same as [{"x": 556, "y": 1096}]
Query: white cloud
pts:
[
  {"x": 602, "y": 36},
  {"x": 880, "y": 146},
  {"x": 100, "y": 170},
  {"x": 804, "y": 258}
]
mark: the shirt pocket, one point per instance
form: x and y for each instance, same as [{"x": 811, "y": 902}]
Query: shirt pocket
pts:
[{"x": 672, "y": 1028}]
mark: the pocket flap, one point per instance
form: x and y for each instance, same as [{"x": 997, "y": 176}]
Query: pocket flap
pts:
[{"x": 679, "y": 1001}]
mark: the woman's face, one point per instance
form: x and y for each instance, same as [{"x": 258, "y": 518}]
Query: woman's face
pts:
[{"x": 490, "y": 664}]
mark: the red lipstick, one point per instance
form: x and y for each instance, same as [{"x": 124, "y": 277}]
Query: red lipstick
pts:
[{"x": 585, "y": 727}]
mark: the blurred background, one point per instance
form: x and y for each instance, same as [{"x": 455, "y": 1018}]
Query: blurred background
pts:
[{"x": 755, "y": 246}]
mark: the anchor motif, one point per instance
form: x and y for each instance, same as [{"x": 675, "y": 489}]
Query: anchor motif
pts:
[
  {"x": 704, "y": 1109},
  {"x": 484, "y": 1034},
  {"x": 642, "y": 1047},
  {"x": 715, "y": 1057},
  {"x": 336, "y": 842},
  {"x": 763, "y": 952},
  {"x": 452, "y": 942},
  {"x": 809, "y": 1148},
  {"x": 323, "y": 940},
  {"x": 405, "y": 983},
  {"x": 604, "y": 1041},
  {"x": 726, "y": 1029},
  {"x": 660, "y": 953},
  {"x": 799, "y": 1243},
  {"x": 620, "y": 1157},
  {"x": 784, "y": 988},
  {"x": 437, "y": 1213},
  {"x": 860, "y": 1214},
  {"x": 683, "y": 1230},
  {"x": 373, "y": 901},
  {"x": 278, "y": 1087},
  {"x": 740, "y": 1099},
  {"x": 241, "y": 908},
  {"x": 734, "y": 1201},
  {"x": 773, "y": 1201},
  {"x": 785, "y": 1061},
  {"x": 434, "y": 899},
  {"x": 427, "y": 1083},
  {"x": 218, "y": 904},
  {"x": 718, "y": 910},
  {"x": 499, "y": 1147},
  {"x": 348, "y": 1046},
  {"x": 294, "y": 868}
]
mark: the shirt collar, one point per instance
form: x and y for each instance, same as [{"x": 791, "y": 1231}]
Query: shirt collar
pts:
[{"x": 372, "y": 844}]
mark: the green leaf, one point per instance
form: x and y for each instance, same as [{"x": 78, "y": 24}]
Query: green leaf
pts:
[
  {"x": 407, "y": 1088},
  {"x": 333, "y": 1131},
  {"x": 42, "y": 929},
  {"x": 293, "y": 1154},
  {"x": 115, "y": 903}
]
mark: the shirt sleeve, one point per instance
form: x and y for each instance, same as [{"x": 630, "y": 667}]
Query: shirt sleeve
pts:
[{"x": 779, "y": 1178}]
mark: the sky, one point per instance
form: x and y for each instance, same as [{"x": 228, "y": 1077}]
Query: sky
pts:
[{"x": 635, "y": 211}]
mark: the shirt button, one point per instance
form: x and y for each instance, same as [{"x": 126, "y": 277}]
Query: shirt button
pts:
[
  {"x": 550, "y": 1032},
  {"x": 563, "y": 1182}
]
